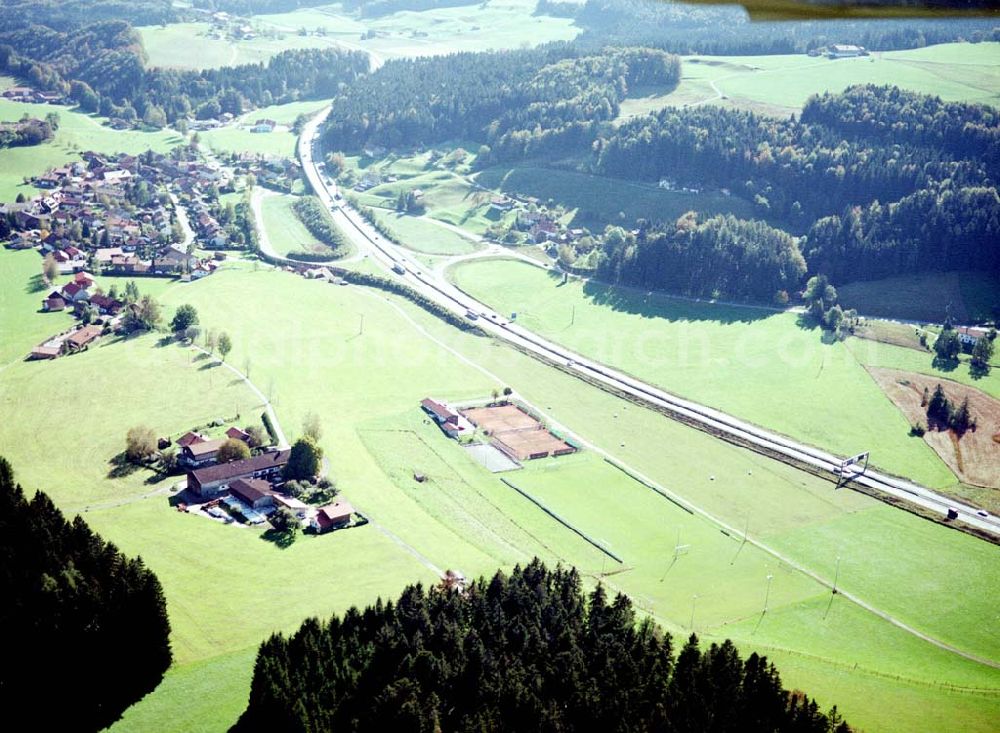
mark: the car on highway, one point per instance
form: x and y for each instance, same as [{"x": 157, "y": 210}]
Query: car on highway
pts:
[{"x": 983, "y": 514}]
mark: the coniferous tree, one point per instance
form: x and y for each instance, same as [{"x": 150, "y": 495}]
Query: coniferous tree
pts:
[
  {"x": 525, "y": 651},
  {"x": 86, "y": 625}
]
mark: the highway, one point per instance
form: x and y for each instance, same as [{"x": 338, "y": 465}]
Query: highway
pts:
[{"x": 434, "y": 286}]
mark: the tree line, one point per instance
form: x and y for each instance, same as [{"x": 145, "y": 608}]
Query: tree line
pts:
[
  {"x": 86, "y": 624},
  {"x": 525, "y": 651},
  {"x": 28, "y": 131},
  {"x": 721, "y": 256},
  {"x": 102, "y": 67},
  {"x": 64, "y": 14},
  {"x": 719, "y": 31}
]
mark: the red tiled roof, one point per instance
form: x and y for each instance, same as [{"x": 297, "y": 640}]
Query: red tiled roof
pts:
[
  {"x": 189, "y": 438},
  {"x": 250, "y": 490},
  {"x": 334, "y": 513},
  {"x": 236, "y": 469},
  {"x": 204, "y": 448},
  {"x": 440, "y": 411}
]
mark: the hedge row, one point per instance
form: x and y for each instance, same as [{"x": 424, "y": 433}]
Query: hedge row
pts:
[
  {"x": 317, "y": 220},
  {"x": 399, "y": 288}
]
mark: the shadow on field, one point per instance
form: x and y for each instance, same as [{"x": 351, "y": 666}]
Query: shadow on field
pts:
[
  {"x": 944, "y": 365},
  {"x": 655, "y": 304},
  {"x": 121, "y": 466},
  {"x": 209, "y": 365},
  {"x": 36, "y": 284},
  {"x": 282, "y": 539}
]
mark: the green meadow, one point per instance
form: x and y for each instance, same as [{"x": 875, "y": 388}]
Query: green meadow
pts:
[
  {"x": 495, "y": 24},
  {"x": 423, "y": 235},
  {"x": 596, "y": 201},
  {"x": 780, "y": 85},
  {"x": 753, "y": 363},
  {"x": 232, "y": 139},
  {"x": 194, "y": 46},
  {"x": 304, "y": 344}
]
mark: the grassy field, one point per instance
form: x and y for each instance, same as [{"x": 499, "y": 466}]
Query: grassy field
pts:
[
  {"x": 701, "y": 350},
  {"x": 968, "y": 297},
  {"x": 425, "y": 236},
  {"x": 780, "y": 85},
  {"x": 22, "y": 322},
  {"x": 447, "y": 197},
  {"x": 285, "y": 230},
  {"x": 284, "y": 114},
  {"x": 232, "y": 139},
  {"x": 495, "y": 24},
  {"x": 77, "y": 132},
  {"x": 597, "y": 201},
  {"x": 192, "y": 46},
  {"x": 221, "y": 581}
]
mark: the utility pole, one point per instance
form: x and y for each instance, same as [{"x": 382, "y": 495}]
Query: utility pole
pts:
[
  {"x": 361, "y": 328},
  {"x": 767, "y": 593},
  {"x": 572, "y": 319},
  {"x": 836, "y": 576},
  {"x": 694, "y": 600}
]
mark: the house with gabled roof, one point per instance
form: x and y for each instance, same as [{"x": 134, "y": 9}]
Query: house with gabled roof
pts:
[{"x": 211, "y": 480}]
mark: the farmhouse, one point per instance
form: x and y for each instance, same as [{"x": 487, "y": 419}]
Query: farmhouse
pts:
[
  {"x": 200, "y": 454},
  {"x": 332, "y": 516},
  {"x": 236, "y": 434},
  {"x": 843, "y": 51},
  {"x": 255, "y": 493},
  {"x": 971, "y": 334},
  {"x": 190, "y": 438},
  {"x": 211, "y": 480},
  {"x": 82, "y": 338},
  {"x": 451, "y": 422},
  {"x": 54, "y": 302}
]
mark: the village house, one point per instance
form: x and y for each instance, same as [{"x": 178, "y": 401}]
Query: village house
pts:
[
  {"x": 451, "y": 423},
  {"x": 54, "y": 302},
  {"x": 190, "y": 438},
  {"x": 74, "y": 292},
  {"x": 264, "y": 126},
  {"x": 209, "y": 481},
  {"x": 971, "y": 334},
  {"x": 200, "y": 454},
  {"x": 255, "y": 493},
  {"x": 844, "y": 50},
  {"x": 234, "y": 433},
  {"x": 332, "y": 516},
  {"x": 80, "y": 339}
]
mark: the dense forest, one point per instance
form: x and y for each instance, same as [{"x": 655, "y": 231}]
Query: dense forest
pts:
[
  {"x": 712, "y": 30},
  {"x": 493, "y": 97},
  {"x": 524, "y": 652},
  {"x": 102, "y": 67},
  {"x": 720, "y": 257},
  {"x": 87, "y": 629},
  {"x": 895, "y": 182},
  {"x": 66, "y": 14}
]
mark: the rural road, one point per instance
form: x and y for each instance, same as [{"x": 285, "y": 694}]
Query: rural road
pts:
[
  {"x": 435, "y": 287},
  {"x": 279, "y": 433}
]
